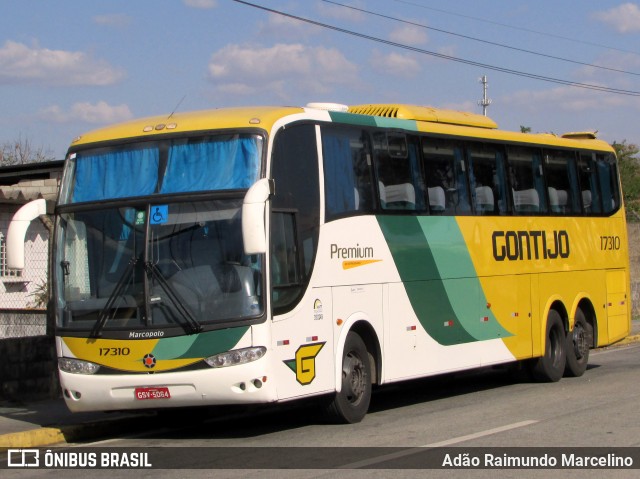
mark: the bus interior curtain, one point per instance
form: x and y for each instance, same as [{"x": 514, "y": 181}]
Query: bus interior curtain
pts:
[
  {"x": 214, "y": 165},
  {"x": 116, "y": 174},
  {"x": 339, "y": 174}
]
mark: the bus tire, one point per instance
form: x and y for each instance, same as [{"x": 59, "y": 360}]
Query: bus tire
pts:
[
  {"x": 550, "y": 366},
  {"x": 351, "y": 404},
  {"x": 578, "y": 344}
]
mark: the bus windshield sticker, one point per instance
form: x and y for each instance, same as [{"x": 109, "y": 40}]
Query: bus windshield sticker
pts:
[
  {"x": 140, "y": 218},
  {"x": 159, "y": 214}
]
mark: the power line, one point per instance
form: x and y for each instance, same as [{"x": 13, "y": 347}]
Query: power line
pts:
[
  {"x": 522, "y": 29},
  {"x": 533, "y": 76},
  {"x": 467, "y": 37}
]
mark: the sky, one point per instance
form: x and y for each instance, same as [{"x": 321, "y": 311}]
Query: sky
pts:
[{"x": 70, "y": 66}]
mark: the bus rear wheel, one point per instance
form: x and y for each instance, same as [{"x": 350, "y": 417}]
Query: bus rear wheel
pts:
[
  {"x": 550, "y": 367},
  {"x": 578, "y": 344},
  {"x": 351, "y": 404}
]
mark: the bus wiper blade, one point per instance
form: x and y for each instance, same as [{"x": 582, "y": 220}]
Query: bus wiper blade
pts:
[
  {"x": 192, "y": 325},
  {"x": 104, "y": 316}
]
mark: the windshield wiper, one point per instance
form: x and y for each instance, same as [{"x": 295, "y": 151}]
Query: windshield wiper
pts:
[
  {"x": 104, "y": 315},
  {"x": 192, "y": 325}
]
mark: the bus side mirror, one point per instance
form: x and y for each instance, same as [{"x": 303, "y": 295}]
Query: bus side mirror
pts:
[
  {"x": 254, "y": 232},
  {"x": 18, "y": 229}
]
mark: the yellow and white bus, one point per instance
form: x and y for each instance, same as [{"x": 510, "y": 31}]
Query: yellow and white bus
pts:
[{"x": 256, "y": 255}]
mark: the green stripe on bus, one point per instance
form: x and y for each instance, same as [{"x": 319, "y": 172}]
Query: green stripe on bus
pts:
[
  {"x": 374, "y": 121},
  {"x": 200, "y": 345},
  {"x": 452, "y": 310},
  {"x": 351, "y": 119}
]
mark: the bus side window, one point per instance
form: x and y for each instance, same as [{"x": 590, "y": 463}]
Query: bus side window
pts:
[
  {"x": 607, "y": 178},
  {"x": 445, "y": 177},
  {"x": 285, "y": 268},
  {"x": 488, "y": 179},
  {"x": 588, "y": 176},
  {"x": 347, "y": 175},
  {"x": 562, "y": 182},
  {"x": 397, "y": 169},
  {"x": 526, "y": 180}
]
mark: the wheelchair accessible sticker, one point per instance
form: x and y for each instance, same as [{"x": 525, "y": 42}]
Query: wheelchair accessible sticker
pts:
[{"x": 159, "y": 214}]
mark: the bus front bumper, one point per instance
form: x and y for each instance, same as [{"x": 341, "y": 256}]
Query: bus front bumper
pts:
[{"x": 240, "y": 384}]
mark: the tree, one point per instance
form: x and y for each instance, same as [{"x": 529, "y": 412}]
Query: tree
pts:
[
  {"x": 629, "y": 165},
  {"x": 21, "y": 151}
]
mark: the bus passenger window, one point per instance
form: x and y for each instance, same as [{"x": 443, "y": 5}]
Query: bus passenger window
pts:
[
  {"x": 347, "y": 176},
  {"x": 562, "y": 182},
  {"x": 526, "y": 180},
  {"x": 445, "y": 177},
  {"x": 399, "y": 179},
  {"x": 588, "y": 176},
  {"x": 607, "y": 177},
  {"x": 488, "y": 179}
]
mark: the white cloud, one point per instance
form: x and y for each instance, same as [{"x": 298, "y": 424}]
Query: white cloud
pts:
[
  {"x": 203, "y": 4},
  {"x": 99, "y": 113},
  {"x": 567, "y": 98},
  {"x": 20, "y": 63},
  {"x": 409, "y": 35},
  {"x": 280, "y": 69},
  {"x": 112, "y": 20},
  {"x": 629, "y": 62},
  {"x": 395, "y": 64},
  {"x": 343, "y": 13},
  {"x": 286, "y": 27},
  {"x": 624, "y": 18}
]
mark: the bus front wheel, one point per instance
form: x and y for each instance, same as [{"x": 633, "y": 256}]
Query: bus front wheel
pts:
[
  {"x": 550, "y": 367},
  {"x": 351, "y": 404}
]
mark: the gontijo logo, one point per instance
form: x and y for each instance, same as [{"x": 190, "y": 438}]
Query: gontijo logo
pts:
[
  {"x": 528, "y": 245},
  {"x": 304, "y": 364},
  {"x": 353, "y": 256}
]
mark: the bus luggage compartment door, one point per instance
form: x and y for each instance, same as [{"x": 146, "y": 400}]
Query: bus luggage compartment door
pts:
[{"x": 617, "y": 305}]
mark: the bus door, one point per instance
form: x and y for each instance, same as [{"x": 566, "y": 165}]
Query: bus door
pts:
[
  {"x": 302, "y": 333},
  {"x": 303, "y": 346}
]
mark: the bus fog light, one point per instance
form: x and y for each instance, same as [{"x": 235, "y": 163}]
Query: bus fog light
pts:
[
  {"x": 238, "y": 356},
  {"x": 77, "y": 366}
]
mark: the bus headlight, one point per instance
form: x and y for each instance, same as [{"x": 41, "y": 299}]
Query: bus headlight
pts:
[
  {"x": 237, "y": 356},
  {"x": 77, "y": 366}
]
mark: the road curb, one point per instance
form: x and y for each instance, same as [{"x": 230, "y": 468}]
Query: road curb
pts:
[
  {"x": 33, "y": 438},
  {"x": 48, "y": 436}
]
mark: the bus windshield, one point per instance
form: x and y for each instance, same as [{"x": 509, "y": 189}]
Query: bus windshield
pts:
[
  {"x": 155, "y": 266},
  {"x": 136, "y": 252}
]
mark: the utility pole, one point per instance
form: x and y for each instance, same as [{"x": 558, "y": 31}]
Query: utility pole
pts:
[{"x": 485, "y": 102}]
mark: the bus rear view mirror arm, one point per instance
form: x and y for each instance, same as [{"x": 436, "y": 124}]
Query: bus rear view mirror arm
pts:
[
  {"x": 254, "y": 233},
  {"x": 18, "y": 229}
]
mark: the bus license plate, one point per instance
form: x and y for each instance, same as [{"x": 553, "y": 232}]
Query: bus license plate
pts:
[{"x": 152, "y": 393}]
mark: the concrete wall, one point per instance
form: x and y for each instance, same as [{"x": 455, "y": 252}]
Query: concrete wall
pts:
[
  {"x": 22, "y": 323},
  {"x": 28, "y": 370}
]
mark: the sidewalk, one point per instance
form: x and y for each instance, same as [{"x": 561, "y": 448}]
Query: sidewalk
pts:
[{"x": 44, "y": 423}]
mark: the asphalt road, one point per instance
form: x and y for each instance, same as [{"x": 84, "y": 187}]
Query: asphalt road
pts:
[{"x": 488, "y": 408}]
